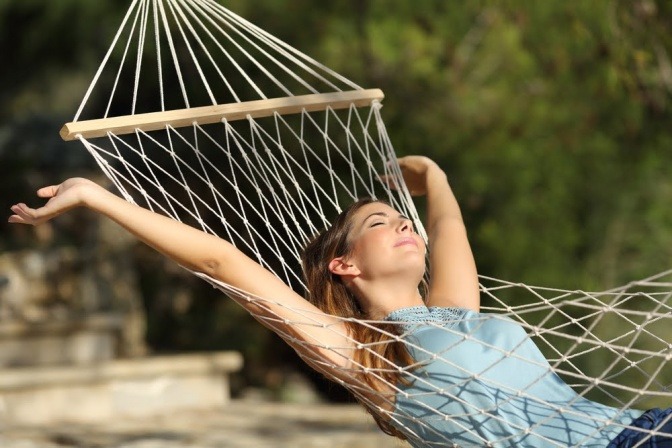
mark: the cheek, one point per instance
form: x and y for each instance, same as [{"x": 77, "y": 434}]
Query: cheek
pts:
[{"x": 368, "y": 246}]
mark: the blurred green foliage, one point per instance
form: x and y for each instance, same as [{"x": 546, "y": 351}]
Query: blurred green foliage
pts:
[{"x": 552, "y": 120}]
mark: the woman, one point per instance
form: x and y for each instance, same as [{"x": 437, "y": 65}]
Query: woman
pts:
[{"x": 490, "y": 386}]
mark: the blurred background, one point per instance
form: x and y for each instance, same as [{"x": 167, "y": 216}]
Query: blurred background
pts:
[{"x": 552, "y": 119}]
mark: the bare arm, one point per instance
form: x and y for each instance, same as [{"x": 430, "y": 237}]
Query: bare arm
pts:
[
  {"x": 453, "y": 275},
  {"x": 208, "y": 254}
]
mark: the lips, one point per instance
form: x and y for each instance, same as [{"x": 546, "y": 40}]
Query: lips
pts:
[{"x": 405, "y": 241}]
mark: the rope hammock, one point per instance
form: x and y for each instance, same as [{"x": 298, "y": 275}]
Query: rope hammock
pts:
[{"x": 216, "y": 123}]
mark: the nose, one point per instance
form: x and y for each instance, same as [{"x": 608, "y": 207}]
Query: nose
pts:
[{"x": 405, "y": 226}]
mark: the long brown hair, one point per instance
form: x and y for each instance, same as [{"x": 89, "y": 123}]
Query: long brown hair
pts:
[{"x": 328, "y": 292}]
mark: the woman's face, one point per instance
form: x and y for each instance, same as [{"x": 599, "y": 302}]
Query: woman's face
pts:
[{"x": 384, "y": 242}]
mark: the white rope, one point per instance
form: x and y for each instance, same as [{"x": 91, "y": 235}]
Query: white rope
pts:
[
  {"x": 144, "y": 11},
  {"x": 123, "y": 59},
  {"x": 159, "y": 62},
  {"x": 252, "y": 59},
  {"x": 204, "y": 47},
  {"x": 104, "y": 62},
  {"x": 298, "y": 57},
  {"x": 174, "y": 6},
  {"x": 175, "y": 59},
  {"x": 270, "y": 57}
]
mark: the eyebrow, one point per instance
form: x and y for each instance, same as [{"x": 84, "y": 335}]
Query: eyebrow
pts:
[{"x": 384, "y": 215}]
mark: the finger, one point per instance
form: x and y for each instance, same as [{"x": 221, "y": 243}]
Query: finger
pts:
[
  {"x": 20, "y": 211},
  {"x": 25, "y": 214},
  {"x": 48, "y": 192},
  {"x": 389, "y": 180},
  {"x": 18, "y": 208},
  {"x": 16, "y": 219}
]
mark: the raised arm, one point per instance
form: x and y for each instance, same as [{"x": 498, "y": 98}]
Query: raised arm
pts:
[
  {"x": 208, "y": 254},
  {"x": 453, "y": 275}
]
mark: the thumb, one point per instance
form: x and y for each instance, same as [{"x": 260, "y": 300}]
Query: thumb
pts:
[{"x": 48, "y": 192}]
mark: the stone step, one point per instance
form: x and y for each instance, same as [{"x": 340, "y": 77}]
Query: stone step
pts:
[
  {"x": 73, "y": 341},
  {"x": 116, "y": 389},
  {"x": 240, "y": 424}
]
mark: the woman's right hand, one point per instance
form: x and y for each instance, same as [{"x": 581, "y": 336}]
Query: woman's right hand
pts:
[{"x": 63, "y": 197}]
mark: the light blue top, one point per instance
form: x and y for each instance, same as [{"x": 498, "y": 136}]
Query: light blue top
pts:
[{"x": 483, "y": 382}]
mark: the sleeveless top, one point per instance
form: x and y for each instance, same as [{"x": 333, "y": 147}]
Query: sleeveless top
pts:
[{"x": 481, "y": 381}]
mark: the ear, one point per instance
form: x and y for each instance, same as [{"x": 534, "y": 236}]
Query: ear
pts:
[{"x": 341, "y": 266}]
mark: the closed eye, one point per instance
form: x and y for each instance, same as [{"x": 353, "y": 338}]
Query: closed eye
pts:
[{"x": 376, "y": 224}]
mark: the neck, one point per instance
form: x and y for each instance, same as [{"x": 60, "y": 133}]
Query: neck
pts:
[{"x": 378, "y": 299}]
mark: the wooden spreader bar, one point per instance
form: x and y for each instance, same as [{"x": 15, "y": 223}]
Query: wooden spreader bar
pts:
[{"x": 214, "y": 114}]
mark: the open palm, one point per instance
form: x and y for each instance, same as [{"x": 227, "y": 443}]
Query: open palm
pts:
[{"x": 62, "y": 198}]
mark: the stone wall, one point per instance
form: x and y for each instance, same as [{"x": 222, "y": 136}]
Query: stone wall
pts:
[
  {"x": 66, "y": 304},
  {"x": 72, "y": 338}
]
